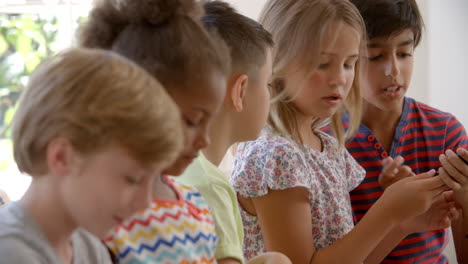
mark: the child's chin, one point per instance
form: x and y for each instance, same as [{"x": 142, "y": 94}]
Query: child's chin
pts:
[
  {"x": 176, "y": 169},
  {"x": 99, "y": 232}
]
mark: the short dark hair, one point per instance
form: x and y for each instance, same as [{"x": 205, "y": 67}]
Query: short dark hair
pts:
[
  {"x": 388, "y": 17},
  {"x": 245, "y": 37},
  {"x": 165, "y": 37}
]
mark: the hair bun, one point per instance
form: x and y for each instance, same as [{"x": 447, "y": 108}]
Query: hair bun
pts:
[{"x": 156, "y": 12}]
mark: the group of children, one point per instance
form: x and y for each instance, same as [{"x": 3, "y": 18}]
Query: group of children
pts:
[{"x": 123, "y": 137}]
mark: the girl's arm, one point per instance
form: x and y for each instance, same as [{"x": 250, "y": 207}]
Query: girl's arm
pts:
[
  {"x": 438, "y": 216},
  {"x": 285, "y": 220}
]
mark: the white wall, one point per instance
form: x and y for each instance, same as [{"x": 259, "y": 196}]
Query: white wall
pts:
[
  {"x": 250, "y": 8},
  {"x": 447, "y": 32}
]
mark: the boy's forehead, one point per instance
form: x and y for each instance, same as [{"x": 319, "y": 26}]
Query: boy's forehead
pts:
[{"x": 402, "y": 38}]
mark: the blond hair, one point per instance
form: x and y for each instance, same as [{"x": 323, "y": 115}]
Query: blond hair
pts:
[
  {"x": 95, "y": 99},
  {"x": 298, "y": 28}
]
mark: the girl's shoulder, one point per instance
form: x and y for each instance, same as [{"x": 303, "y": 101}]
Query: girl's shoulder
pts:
[
  {"x": 267, "y": 144},
  {"x": 328, "y": 140}
]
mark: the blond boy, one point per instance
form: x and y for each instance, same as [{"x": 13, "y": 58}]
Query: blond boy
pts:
[{"x": 93, "y": 130}]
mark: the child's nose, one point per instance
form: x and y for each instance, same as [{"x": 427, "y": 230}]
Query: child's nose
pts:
[
  {"x": 392, "y": 68},
  {"x": 203, "y": 139},
  {"x": 338, "y": 77}
]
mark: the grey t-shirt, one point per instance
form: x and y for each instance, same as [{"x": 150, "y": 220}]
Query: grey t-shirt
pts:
[{"x": 22, "y": 242}]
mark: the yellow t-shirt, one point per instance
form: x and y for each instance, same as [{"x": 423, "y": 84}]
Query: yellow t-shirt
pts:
[{"x": 210, "y": 181}]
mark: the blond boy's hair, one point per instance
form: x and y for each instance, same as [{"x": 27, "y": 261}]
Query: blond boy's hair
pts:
[
  {"x": 298, "y": 28},
  {"x": 95, "y": 99}
]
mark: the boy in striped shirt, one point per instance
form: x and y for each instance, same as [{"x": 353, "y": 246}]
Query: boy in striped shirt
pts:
[{"x": 397, "y": 130}]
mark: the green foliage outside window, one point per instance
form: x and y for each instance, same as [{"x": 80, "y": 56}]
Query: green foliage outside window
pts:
[{"x": 25, "y": 40}]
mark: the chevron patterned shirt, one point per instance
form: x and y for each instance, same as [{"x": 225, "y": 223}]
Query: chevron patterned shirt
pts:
[{"x": 180, "y": 231}]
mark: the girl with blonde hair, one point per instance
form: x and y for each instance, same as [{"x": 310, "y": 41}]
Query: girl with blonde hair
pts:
[{"x": 293, "y": 182}]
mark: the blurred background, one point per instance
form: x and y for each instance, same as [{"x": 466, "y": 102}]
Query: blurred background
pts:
[{"x": 31, "y": 30}]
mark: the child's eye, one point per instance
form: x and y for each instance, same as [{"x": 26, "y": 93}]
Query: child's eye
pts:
[
  {"x": 323, "y": 65},
  {"x": 349, "y": 66},
  {"x": 132, "y": 180},
  {"x": 190, "y": 123},
  {"x": 374, "y": 58},
  {"x": 405, "y": 55}
]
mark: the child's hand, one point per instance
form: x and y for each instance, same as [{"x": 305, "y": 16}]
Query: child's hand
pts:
[
  {"x": 440, "y": 215},
  {"x": 412, "y": 196},
  {"x": 270, "y": 258},
  {"x": 393, "y": 171},
  {"x": 454, "y": 172}
]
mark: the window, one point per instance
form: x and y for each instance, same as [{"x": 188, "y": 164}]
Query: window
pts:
[{"x": 30, "y": 30}]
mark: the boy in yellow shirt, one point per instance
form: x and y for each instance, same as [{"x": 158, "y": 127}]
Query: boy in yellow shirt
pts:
[{"x": 241, "y": 118}]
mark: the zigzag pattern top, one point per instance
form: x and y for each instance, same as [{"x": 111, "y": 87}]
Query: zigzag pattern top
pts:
[{"x": 180, "y": 231}]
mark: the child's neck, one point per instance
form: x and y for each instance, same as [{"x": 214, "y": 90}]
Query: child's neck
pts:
[
  {"x": 163, "y": 191},
  {"x": 43, "y": 203},
  {"x": 222, "y": 135},
  {"x": 307, "y": 134},
  {"x": 382, "y": 123}
]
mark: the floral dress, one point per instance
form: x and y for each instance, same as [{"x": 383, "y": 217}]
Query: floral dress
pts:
[{"x": 276, "y": 163}]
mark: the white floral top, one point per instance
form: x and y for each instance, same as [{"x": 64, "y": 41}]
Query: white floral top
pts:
[{"x": 275, "y": 162}]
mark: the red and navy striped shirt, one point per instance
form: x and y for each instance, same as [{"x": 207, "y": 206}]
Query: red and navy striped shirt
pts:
[{"x": 422, "y": 134}]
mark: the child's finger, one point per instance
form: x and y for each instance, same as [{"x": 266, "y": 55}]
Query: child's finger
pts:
[
  {"x": 454, "y": 166},
  {"x": 399, "y": 161},
  {"x": 434, "y": 184},
  {"x": 454, "y": 213},
  {"x": 386, "y": 161},
  {"x": 405, "y": 171},
  {"x": 448, "y": 196},
  {"x": 463, "y": 153},
  {"x": 424, "y": 175},
  {"x": 390, "y": 171},
  {"x": 389, "y": 166},
  {"x": 446, "y": 222},
  {"x": 437, "y": 192},
  {"x": 449, "y": 181}
]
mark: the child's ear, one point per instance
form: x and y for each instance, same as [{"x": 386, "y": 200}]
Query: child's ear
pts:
[
  {"x": 237, "y": 93},
  {"x": 59, "y": 155}
]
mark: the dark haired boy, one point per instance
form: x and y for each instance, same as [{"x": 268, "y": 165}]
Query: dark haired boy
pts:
[{"x": 398, "y": 134}]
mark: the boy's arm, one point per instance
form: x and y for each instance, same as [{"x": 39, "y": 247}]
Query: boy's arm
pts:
[
  {"x": 224, "y": 210},
  {"x": 454, "y": 172},
  {"x": 460, "y": 237}
]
